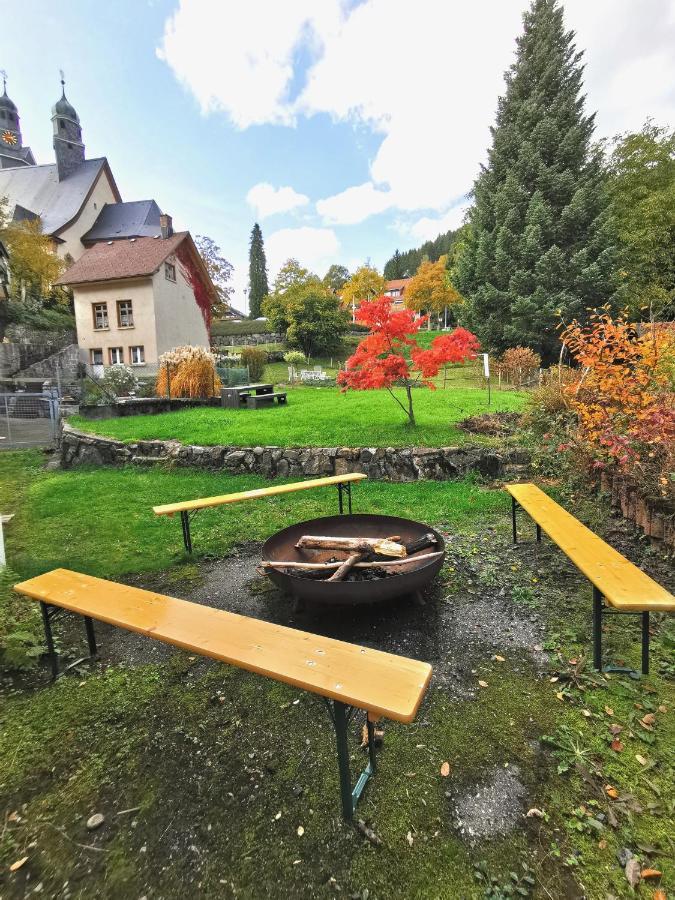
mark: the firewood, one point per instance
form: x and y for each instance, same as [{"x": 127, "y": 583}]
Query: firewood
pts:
[
  {"x": 341, "y": 573},
  {"x": 351, "y": 544},
  {"x": 317, "y": 567},
  {"x": 421, "y": 543}
]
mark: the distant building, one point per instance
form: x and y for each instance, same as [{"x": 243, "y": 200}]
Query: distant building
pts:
[
  {"x": 396, "y": 289},
  {"x": 139, "y": 297}
]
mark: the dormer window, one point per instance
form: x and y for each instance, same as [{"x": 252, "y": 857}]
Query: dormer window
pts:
[{"x": 169, "y": 271}]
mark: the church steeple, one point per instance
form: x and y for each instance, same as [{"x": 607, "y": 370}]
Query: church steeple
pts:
[
  {"x": 68, "y": 145},
  {"x": 12, "y": 151}
]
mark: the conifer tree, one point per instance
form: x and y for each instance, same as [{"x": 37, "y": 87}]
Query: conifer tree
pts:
[
  {"x": 541, "y": 245},
  {"x": 258, "y": 288}
]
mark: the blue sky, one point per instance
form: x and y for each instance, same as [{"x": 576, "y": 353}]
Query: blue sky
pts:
[{"x": 346, "y": 129}]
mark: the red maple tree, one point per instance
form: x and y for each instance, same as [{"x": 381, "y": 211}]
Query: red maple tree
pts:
[{"x": 389, "y": 356}]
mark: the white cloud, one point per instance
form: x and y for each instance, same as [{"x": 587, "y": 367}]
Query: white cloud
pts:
[
  {"x": 426, "y": 79},
  {"x": 238, "y": 57},
  {"x": 354, "y": 205},
  {"x": 314, "y": 248},
  {"x": 267, "y": 200},
  {"x": 427, "y": 228}
]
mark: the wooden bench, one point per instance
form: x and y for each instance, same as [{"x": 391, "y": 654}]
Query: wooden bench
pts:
[
  {"x": 616, "y": 581},
  {"x": 346, "y": 676},
  {"x": 189, "y": 508},
  {"x": 253, "y": 401}
]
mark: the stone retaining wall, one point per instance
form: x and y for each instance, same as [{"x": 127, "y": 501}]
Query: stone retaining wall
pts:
[
  {"x": 655, "y": 520},
  {"x": 390, "y": 464}
]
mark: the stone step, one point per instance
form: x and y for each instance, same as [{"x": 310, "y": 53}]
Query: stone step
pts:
[{"x": 147, "y": 460}]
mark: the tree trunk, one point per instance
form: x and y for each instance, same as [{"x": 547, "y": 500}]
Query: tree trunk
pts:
[{"x": 411, "y": 414}]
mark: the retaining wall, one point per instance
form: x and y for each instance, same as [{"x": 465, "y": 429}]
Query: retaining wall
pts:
[{"x": 389, "y": 464}]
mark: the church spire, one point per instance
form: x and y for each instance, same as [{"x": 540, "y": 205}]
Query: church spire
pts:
[
  {"x": 68, "y": 145},
  {"x": 12, "y": 151}
]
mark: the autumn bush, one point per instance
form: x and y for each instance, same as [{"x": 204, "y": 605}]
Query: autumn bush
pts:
[
  {"x": 623, "y": 403},
  {"x": 255, "y": 359},
  {"x": 187, "y": 372},
  {"x": 517, "y": 365}
]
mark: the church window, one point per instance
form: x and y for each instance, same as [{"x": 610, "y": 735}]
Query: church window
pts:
[
  {"x": 100, "y": 315},
  {"x": 125, "y": 314},
  {"x": 96, "y": 357},
  {"x": 116, "y": 356},
  {"x": 137, "y": 355},
  {"x": 169, "y": 271}
]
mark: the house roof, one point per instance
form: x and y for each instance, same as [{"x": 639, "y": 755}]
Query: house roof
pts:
[
  {"x": 112, "y": 260},
  {"x": 139, "y": 218},
  {"x": 38, "y": 189},
  {"x": 396, "y": 283}
]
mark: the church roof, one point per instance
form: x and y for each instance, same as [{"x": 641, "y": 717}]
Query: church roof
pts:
[
  {"x": 139, "y": 218},
  {"x": 112, "y": 260},
  {"x": 38, "y": 189}
]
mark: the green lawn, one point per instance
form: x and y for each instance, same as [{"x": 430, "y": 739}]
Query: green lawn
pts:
[{"x": 318, "y": 417}]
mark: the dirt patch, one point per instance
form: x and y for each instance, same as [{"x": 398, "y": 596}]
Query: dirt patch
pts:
[
  {"x": 494, "y": 424},
  {"x": 492, "y": 808}
]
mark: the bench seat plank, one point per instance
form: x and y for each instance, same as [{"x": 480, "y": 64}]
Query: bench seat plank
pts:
[
  {"x": 622, "y": 584},
  {"x": 382, "y": 683},
  {"x": 168, "y": 509}
]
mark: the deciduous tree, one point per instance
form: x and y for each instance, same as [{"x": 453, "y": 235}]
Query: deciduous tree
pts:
[
  {"x": 389, "y": 356},
  {"x": 220, "y": 272},
  {"x": 365, "y": 284},
  {"x": 430, "y": 289},
  {"x": 336, "y": 278}
]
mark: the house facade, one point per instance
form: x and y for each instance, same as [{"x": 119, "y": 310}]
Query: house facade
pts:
[
  {"x": 395, "y": 289},
  {"x": 138, "y": 298}
]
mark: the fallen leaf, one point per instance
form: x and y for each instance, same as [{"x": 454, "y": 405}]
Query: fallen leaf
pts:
[
  {"x": 587, "y": 713},
  {"x": 609, "y": 710},
  {"x": 535, "y": 813},
  {"x": 641, "y": 759},
  {"x": 409, "y": 838},
  {"x": 499, "y": 658},
  {"x": 632, "y": 872},
  {"x": 554, "y": 679},
  {"x": 574, "y": 661},
  {"x": 445, "y": 769},
  {"x": 301, "y": 831},
  {"x": 615, "y": 729},
  {"x": 560, "y": 695},
  {"x": 617, "y": 746},
  {"x": 611, "y": 791},
  {"x": 13, "y": 817},
  {"x": 602, "y": 845},
  {"x": 646, "y": 725},
  {"x": 17, "y": 865},
  {"x": 278, "y": 816},
  {"x": 649, "y": 719},
  {"x": 651, "y": 873},
  {"x": 659, "y": 895},
  {"x": 663, "y": 709},
  {"x": 483, "y": 684}
]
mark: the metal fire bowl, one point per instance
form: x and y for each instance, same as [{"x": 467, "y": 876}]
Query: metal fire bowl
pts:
[{"x": 281, "y": 546}]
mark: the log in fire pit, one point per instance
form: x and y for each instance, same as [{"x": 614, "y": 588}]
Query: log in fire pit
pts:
[{"x": 353, "y": 559}]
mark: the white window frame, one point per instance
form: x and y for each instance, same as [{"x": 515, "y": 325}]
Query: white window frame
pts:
[
  {"x": 130, "y": 316},
  {"x": 103, "y": 309},
  {"x": 132, "y": 355},
  {"x": 92, "y": 360},
  {"x": 116, "y": 351},
  {"x": 170, "y": 271}
]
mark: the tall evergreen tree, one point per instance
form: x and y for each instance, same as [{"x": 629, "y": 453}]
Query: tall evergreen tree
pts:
[
  {"x": 541, "y": 245},
  {"x": 258, "y": 288}
]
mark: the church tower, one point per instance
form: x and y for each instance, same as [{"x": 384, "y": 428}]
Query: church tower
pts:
[
  {"x": 68, "y": 145},
  {"x": 12, "y": 151}
]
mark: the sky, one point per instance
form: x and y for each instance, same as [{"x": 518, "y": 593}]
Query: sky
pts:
[{"x": 346, "y": 128}]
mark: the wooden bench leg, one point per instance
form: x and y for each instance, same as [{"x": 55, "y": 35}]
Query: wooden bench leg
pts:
[{"x": 341, "y": 716}]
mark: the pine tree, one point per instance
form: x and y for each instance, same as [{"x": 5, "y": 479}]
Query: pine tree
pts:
[
  {"x": 258, "y": 288},
  {"x": 540, "y": 246}
]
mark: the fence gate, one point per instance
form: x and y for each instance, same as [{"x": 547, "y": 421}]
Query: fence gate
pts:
[{"x": 28, "y": 420}]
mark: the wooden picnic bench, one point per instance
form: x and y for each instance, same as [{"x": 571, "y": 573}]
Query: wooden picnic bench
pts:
[
  {"x": 253, "y": 401},
  {"x": 348, "y": 677},
  {"x": 236, "y": 397},
  {"x": 189, "y": 508},
  {"x": 616, "y": 581}
]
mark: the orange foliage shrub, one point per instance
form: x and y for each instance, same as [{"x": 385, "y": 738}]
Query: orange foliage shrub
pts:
[
  {"x": 624, "y": 400},
  {"x": 518, "y": 364},
  {"x": 187, "y": 372}
]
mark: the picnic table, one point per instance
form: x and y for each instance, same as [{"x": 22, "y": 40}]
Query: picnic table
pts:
[{"x": 234, "y": 397}]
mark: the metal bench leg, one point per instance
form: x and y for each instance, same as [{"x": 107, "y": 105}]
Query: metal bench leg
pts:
[
  {"x": 513, "y": 519},
  {"x": 597, "y": 629},
  {"x": 185, "y": 523},
  {"x": 49, "y": 637},
  {"x": 645, "y": 643},
  {"x": 342, "y": 490},
  {"x": 91, "y": 636},
  {"x": 340, "y": 503},
  {"x": 341, "y": 716},
  {"x": 539, "y": 534}
]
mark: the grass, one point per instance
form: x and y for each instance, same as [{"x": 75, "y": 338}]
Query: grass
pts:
[
  {"x": 205, "y": 773},
  {"x": 100, "y": 521},
  {"x": 317, "y": 417}
]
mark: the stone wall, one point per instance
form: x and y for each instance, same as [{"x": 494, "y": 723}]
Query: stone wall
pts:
[
  {"x": 390, "y": 464},
  {"x": 61, "y": 365},
  {"x": 656, "y": 520},
  {"x": 245, "y": 340}
]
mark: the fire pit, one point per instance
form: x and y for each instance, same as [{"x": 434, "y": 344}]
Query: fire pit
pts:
[{"x": 373, "y": 577}]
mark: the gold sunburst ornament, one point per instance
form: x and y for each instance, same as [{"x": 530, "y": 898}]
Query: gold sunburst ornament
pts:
[{"x": 9, "y": 138}]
